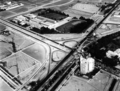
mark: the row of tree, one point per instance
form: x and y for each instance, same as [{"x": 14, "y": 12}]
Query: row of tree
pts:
[
  {"x": 44, "y": 11},
  {"x": 99, "y": 48},
  {"x": 81, "y": 27},
  {"x": 44, "y": 30},
  {"x": 106, "y": 7}
]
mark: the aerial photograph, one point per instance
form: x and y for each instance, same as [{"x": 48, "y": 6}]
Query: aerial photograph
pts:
[{"x": 59, "y": 45}]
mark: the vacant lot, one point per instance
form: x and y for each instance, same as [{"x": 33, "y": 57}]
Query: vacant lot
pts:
[
  {"x": 76, "y": 13},
  {"x": 21, "y": 66},
  {"x": 97, "y": 1},
  {"x": 85, "y": 8},
  {"x": 20, "y": 9},
  {"x": 36, "y": 51},
  {"x": 5, "y": 14}
]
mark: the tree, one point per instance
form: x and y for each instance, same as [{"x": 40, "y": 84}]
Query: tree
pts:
[{"x": 10, "y": 40}]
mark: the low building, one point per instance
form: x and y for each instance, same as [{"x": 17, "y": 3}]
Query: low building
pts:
[
  {"x": 30, "y": 16},
  {"x": 116, "y": 14},
  {"x": 34, "y": 24},
  {"x": 20, "y": 18},
  {"x": 10, "y": 5}
]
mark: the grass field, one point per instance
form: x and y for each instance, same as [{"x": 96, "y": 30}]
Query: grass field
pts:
[
  {"x": 4, "y": 52},
  {"x": 65, "y": 6},
  {"x": 6, "y": 46},
  {"x": 99, "y": 82},
  {"x": 85, "y": 8},
  {"x": 76, "y": 84},
  {"x": 31, "y": 2},
  {"x": 77, "y": 13},
  {"x": 5, "y": 14},
  {"x": 50, "y": 14},
  {"x": 60, "y": 2},
  {"x": 97, "y": 1},
  {"x": 108, "y": 1},
  {"x": 36, "y": 51},
  {"x": 20, "y": 9},
  {"x": 114, "y": 19},
  {"x": 21, "y": 66}
]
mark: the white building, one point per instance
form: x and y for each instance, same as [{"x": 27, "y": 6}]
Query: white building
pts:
[
  {"x": 10, "y": 5},
  {"x": 87, "y": 65},
  {"x": 20, "y": 18},
  {"x": 31, "y": 16},
  {"x": 116, "y": 14},
  {"x": 34, "y": 24}
]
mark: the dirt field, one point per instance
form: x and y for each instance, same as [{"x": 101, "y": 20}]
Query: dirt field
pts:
[{"x": 99, "y": 82}]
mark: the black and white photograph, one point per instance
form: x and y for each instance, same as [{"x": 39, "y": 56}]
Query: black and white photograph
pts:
[{"x": 59, "y": 45}]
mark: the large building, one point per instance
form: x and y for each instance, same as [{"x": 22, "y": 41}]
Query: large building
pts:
[{"x": 87, "y": 65}]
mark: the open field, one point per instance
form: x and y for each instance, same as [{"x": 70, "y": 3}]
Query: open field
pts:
[
  {"x": 77, "y": 13},
  {"x": 20, "y": 9},
  {"x": 11, "y": 43},
  {"x": 75, "y": 84},
  {"x": 34, "y": 2},
  {"x": 51, "y": 14},
  {"x": 4, "y": 52},
  {"x": 108, "y": 1},
  {"x": 97, "y": 1},
  {"x": 4, "y": 86},
  {"x": 105, "y": 29},
  {"x": 98, "y": 83},
  {"x": 5, "y": 14},
  {"x": 28, "y": 5},
  {"x": 36, "y": 51},
  {"x": 85, "y": 8},
  {"x": 23, "y": 57},
  {"x": 113, "y": 20},
  {"x": 21, "y": 66},
  {"x": 59, "y": 2}
]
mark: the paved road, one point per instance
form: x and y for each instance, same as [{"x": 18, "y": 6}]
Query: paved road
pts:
[
  {"x": 41, "y": 38},
  {"x": 36, "y": 37},
  {"x": 58, "y": 5}
]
